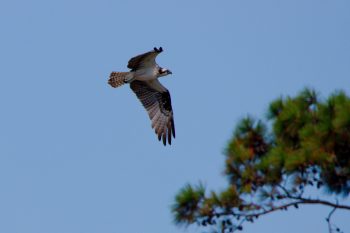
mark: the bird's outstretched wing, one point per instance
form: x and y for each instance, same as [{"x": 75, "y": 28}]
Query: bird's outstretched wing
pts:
[
  {"x": 144, "y": 60},
  {"x": 156, "y": 100}
]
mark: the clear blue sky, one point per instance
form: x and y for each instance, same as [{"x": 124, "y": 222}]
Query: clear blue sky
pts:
[{"x": 77, "y": 156}]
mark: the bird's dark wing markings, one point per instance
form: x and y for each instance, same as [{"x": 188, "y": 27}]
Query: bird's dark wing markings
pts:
[
  {"x": 144, "y": 60},
  {"x": 158, "y": 106}
]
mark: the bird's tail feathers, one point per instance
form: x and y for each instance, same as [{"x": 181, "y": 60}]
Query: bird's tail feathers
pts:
[{"x": 117, "y": 79}]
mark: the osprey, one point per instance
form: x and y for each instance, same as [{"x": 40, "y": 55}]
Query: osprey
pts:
[{"x": 143, "y": 79}]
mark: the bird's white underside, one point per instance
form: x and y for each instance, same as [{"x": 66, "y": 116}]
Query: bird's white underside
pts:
[
  {"x": 150, "y": 75},
  {"x": 145, "y": 70}
]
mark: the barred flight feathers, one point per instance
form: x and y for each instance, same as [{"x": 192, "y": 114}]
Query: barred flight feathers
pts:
[
  {"x": 143, "y": 78},
  {"x": 116, "y": 79},
  {"x": 158, "y": 106}
]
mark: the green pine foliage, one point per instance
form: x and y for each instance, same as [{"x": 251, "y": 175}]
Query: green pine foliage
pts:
[{"x": 308, "y": 145}]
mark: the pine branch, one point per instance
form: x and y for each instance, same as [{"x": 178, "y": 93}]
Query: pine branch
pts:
[
  {"x": 322, "y": 202},
  {"x": 314, "y": 201},
  {"x": 301, "y": 201}
]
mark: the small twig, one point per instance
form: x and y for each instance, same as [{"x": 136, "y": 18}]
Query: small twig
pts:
[
  {"x": 239, "y": 226},
  {"x": 285, "y": 191},
  {"x": 328, "y": 219}
]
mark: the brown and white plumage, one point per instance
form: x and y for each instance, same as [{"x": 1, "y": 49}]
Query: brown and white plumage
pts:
[
  {"x": 143, "y": 79},
  {"x": 144, "y": 60},
  {"x": 116, "y": 79},
  {"x": 158, "y": 106}
]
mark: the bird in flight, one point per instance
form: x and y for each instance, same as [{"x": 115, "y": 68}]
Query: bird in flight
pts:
[{"x": 143, "y": 79}]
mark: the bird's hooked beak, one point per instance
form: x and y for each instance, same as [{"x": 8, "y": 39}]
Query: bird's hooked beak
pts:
[{"x": 169, "y": 72}]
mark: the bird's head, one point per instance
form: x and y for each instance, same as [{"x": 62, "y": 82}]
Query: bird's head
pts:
[{"x": 164, "y": 72}]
